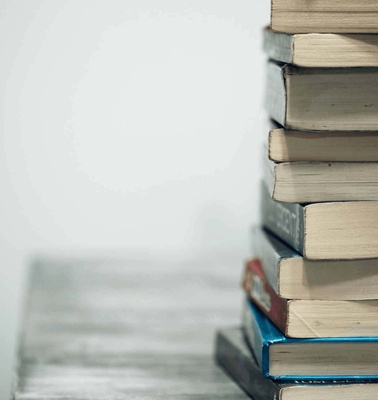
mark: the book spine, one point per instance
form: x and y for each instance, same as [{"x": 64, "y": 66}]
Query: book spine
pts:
[
  {"x": 275, "y": 101},
  {"x": 269, "y": 258},
  {"x": 237, "y": 361},
  {"x": 270, "y": 176},
  {"x": 254, "y": 337},
  {"x": 278, "y": 46},
  {"x": 263, "y": 295},
  {"x": 286, "y": 220}
]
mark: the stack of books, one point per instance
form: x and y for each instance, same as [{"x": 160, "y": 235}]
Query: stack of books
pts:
[{"x": 310, "y": 319}]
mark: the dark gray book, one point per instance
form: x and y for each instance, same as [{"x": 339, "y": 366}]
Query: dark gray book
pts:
[
  {"x": 324, "y": 231},
  {"x": 321, "y": 99},
  {"x": 286, "y": 220},
  {"x": 235, "y": 357}
]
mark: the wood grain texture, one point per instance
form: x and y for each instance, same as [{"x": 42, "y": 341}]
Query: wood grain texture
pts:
[{"x": 133, "y": 329}]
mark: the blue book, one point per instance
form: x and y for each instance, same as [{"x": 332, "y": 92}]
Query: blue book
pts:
[{"x": 324, "y": 359}]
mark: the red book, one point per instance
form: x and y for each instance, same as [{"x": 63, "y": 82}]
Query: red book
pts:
[{"x": 263, "y": 295}]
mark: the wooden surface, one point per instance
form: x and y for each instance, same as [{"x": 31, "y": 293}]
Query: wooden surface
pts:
[{"x": 128, "y": 329}]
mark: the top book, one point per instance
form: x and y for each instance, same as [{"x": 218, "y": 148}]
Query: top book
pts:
[{"x": 325, "y": 16}]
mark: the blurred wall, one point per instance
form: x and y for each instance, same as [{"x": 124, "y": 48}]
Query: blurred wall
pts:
[{"x": 133, "y": 125}]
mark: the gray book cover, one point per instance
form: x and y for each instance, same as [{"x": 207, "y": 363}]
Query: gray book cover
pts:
[
  {"x": 270, "y": 250},
  {"x": 275, "y": 100},
  {"x": 278, "y": 46},
  {"x": 234, "y": 356}
]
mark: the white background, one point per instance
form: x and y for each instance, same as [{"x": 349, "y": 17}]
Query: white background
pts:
[{"x": 130, "y": 125}]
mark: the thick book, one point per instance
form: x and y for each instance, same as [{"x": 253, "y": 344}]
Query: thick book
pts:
[
  {"x": 299, "y": 16},
  {"x": 322, "y": 50},
  {"x": 309, "y": 318},
  {"x": 311, "y": 182},
  {"x": 234, "y": 356},
  {"x": 285, "y": 145},
  {"x": 323, "y": 98},
  {"x": 325, "y": 359},
  {"x": 292, "y": 276},
  {"x": 324, "y": 231}
]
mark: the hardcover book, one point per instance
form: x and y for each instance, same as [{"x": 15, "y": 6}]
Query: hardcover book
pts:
[
  {"x": 324, "y": 231},
  {"x": 322, "y": 50},
  {"x": 293, "y": 277},
  {"x": 324, "y": 359},
  {"x": 234, "y": 356},
  {"x": 336, "y": 99}
]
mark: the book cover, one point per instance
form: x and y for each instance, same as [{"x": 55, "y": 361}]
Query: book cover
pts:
[
  {"x": 233, "y": 354},
  {"x": 270, "y": 251},
  {"x": 263, "y": 295},
  {"x": 286, "y": 220}
]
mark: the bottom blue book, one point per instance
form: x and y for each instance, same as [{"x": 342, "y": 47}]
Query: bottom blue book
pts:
[
  {"x": 324, "y": 359},
  {"x": 234, "y": 356}
]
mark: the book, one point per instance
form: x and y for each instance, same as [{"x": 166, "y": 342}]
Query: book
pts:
[
  {"x": 309, "y": 318},
  {"x": 298, "y": 16},
  {"x": 322, "y": 50},
  {"x": 324, "y": 231},
  {"x": 325, "y": 359},
  {"x": 310, "y": 182},
  {"x": 349, "y": 146},
  {"x": 323, "y": 98},
  {"x": 234, "y": 356},
  {"x": 293, "y": 277}
]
